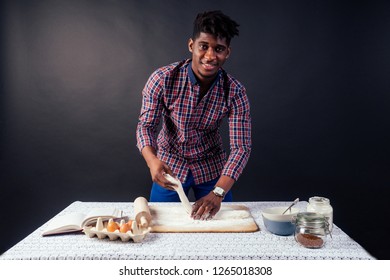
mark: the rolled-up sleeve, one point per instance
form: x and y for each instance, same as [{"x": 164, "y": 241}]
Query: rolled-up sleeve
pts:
[
  {"x": 240, "y": 136},
  {"x": 150, "y": 114}
]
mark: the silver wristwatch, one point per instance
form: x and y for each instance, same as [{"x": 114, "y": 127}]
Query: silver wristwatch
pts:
[{"x": 218, "y": 191}]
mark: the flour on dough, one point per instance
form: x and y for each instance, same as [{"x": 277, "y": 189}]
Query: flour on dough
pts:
[
  {"x": 175, "y": 216},
  {"x": 228, "y": 214}
]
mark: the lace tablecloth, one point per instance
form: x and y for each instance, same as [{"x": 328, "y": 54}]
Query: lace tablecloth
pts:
[{"x": 172, "y": 246}]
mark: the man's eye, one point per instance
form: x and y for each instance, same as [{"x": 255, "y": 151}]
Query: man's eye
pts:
[
  {"x": 204, "y": 47},
  {"x": 219, "y": 49}
]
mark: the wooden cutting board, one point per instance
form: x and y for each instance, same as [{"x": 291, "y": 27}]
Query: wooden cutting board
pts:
[{"x": 173, "y": 218}]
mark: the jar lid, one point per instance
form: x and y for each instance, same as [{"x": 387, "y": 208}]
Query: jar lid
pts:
[{"x": 319, "y": 200}]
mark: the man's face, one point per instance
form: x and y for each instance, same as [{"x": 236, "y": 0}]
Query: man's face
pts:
[{"x": 209, "y": 53}]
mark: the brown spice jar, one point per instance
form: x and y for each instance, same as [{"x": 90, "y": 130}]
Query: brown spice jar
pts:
[{"x": 309, "y": 240}]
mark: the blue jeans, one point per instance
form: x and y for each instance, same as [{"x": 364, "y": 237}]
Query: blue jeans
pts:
[{"x": 160, "y": 194}]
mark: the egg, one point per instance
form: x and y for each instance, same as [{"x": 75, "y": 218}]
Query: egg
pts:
[
  {"x": 112, "y": 226},
  {"x": 124, "y": 228}
]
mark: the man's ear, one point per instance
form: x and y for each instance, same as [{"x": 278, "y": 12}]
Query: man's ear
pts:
[
  {"x": 190, "y": 44},
  {"x": 229, "y": 50}
]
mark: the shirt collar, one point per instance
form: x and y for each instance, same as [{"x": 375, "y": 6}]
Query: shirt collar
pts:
[{"x": 193, "y": 79}]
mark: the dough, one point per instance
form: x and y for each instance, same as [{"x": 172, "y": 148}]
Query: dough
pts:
[
  {"x": 228, "y": 214},
  {"x": 179, "y": 189},
  {"x": 230, "y": 218}
]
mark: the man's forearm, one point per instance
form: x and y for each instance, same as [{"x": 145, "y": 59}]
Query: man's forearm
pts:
[{"x": 149, "y": 153}]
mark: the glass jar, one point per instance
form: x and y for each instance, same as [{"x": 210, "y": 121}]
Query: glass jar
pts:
[
  {"x": 321, "y": 205},
  {"x": 311, "y": 229}
]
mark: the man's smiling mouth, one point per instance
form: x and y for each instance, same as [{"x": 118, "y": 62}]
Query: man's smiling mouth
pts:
[{"x": 209, "y": 66}]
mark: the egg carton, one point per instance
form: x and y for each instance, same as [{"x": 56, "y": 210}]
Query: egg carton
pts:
[{"x": 137, "y": 234}]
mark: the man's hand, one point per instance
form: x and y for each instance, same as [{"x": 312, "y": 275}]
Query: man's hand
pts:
[
  {"x": 206, "y": 207},
  {"x": 157, "y": 170},
  {"x": 157, "y": 167}
]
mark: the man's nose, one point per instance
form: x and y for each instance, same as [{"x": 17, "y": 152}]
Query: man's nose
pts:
[{"x": 210, "y": 54}]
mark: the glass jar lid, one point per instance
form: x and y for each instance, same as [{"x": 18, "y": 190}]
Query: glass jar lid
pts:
[{"x": 319, "y": 200}]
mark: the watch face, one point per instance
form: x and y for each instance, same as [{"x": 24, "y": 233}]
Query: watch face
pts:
[{"x": 219, "y": 191}]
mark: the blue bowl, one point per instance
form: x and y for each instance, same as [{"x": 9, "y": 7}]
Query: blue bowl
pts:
[{"x": 277, "y": 223}]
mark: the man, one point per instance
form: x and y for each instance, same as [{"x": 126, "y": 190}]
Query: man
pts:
[{"x": 192, "y": 97}]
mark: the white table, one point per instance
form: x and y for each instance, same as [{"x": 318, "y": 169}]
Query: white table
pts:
[{"x": 172, "y": 246}]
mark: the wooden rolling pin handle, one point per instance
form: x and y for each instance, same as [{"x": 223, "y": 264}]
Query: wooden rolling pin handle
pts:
[{"x": 142, "y": 212}]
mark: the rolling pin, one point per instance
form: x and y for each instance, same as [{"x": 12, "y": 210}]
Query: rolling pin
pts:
[{"x": 142, "y": 212}]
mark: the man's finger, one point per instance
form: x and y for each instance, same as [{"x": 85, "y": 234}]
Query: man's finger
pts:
[
  {"x": 206, "y": 213},
  {"x": 199, "y": 213},
  {"x": 213, "y": 212}
]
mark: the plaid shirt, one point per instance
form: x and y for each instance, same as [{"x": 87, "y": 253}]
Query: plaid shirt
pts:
[{"x": 189, "y": 138}]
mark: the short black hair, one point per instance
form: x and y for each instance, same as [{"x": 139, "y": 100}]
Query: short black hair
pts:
[{"x": 215, "y": 23}]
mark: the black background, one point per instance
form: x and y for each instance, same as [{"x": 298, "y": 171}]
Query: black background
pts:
[{"x": 316, "y": 72}]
